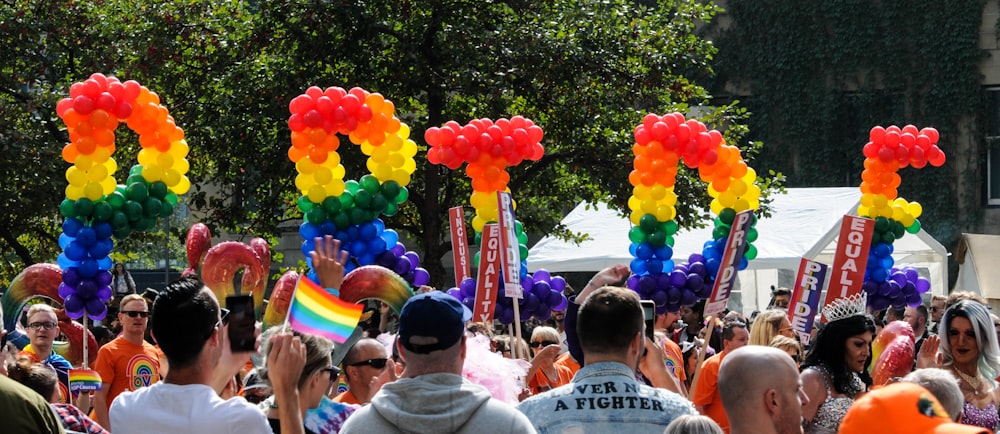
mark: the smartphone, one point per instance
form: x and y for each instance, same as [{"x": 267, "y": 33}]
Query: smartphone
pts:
[
  {"x": 241, "y": 323},
  {"x": 649, "y": 315}
]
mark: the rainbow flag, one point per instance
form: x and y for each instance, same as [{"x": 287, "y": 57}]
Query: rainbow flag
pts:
[
  {"x": 84, "y": 380},
  {"x": 318, "y": 312}
]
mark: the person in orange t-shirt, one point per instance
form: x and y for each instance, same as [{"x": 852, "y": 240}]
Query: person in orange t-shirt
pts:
[
  {"x": 705, "y": 395},
  {"x": 365, "y": 360},
  {"x": 128, "y": 362},
  {"x": 565, "y": 359},
  {"x": 544, "y": 373}
]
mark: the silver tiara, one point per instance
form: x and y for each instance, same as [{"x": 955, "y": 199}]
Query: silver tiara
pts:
[{"x": 846, "y": 307}]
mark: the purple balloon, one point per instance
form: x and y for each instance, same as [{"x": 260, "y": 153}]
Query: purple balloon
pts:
[
  {"x": 673, "y": 295},
  {"x": 421, "y": 277},
  {"x": 74, "y": 306},
  {"x": 878, "y": 302},
  {"x": 386, "y": 259},
  {"x": 65, "y": 290},
  {"x": 542, "y": 275},
  {"x": 696, "y": 257},
  {"x": 86, "y": 290},
  {"x": 558, "y": 283},
  {"x": 94, "y": 306},
  {"x": 678, "y": 278},
  {"x": 531, "y": 301},
  {"x": 563, "y": 303},
  {"x": 104, "y": 293},
  {"x": 694, "y": 282},
  {"x": 688, "y": 297},
  {"x": 398, "y": 249},
  {"x": 402, "y": 265},
  {"x": 469, "y": 302},
  {"x": 659, "y": 298},
  {"x": 503, "y": 300},
  {"x": 554, "y": 298},
  {"x": 911, "y": 274},
  {"x": 527, "y": 282},
  {"x": 698, "y": 268},
  {"x": 647, "y": 285},
  {"x": 455, "y": 292},
  {"x": 468, "y": 290},
  {"x": 923, "y": 285},
  {"x": 469, "y": 283},
  {"x": 899, "y": 278},
  {"x": 506, "y": 315},
  {"x": 633, "y": 282},
  {"x": 541, "y": 289},
  {"x": 414, "y": 259},
  {"x": 100, "y": 314}
]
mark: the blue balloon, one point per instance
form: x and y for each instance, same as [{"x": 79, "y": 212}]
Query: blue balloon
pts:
[
  {"x": 391, "y": 237},
  {"x": 353, "y": 233},
  {"x": 103, "y": 230},
  {"x": 664, "y": 253},
  {"x": 379, "y": 225},
  {"x": 104, "y": 263},
  {"x": 64, "y": 262},
  {"x": 632, "y": 249},
  {"x": 308, "y": 231},
  {"x": 654, "y": 266},
  {"x": 64, "y": 241},
  {"x": 712, "y": 267},
  {"x": 72, "y": 226},
  {"x": 638, "y": 266},
  {"x": 644, "y": 251},
  {"x": 75, "y": 251},
  {"x": 367, "y": 231},
  {"x": 88, "y": 268},
  {"x": 327, "y": 228},
  {"x": 86, "y": 237}
]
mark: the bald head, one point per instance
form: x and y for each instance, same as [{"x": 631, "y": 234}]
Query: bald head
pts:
[{"x": 757, "y": 401}]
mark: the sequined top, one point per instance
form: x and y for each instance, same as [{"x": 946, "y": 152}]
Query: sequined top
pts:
[
  {"x": 831, "y": 412},
  {"x": 985, "y": 418}
]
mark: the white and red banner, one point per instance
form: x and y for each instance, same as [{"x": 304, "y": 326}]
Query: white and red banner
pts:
[
  {"x": 459, "y": 244},
  {"x": 736, "y": 244},
  {"x": 850, "y": 258},
  {"x": 488, "y": 281},
  {"x": 802, "y": 309},
  {"x": 510, "y": 257}
]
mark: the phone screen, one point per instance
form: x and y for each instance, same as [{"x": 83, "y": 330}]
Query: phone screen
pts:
[
  {"x": 649, "y": 315},
  {"x": 241, "y": 323}
]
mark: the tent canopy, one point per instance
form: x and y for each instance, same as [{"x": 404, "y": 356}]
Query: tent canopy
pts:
[
  {"x": 805, "y": 222},
  {"x": 976, "y": 257}
]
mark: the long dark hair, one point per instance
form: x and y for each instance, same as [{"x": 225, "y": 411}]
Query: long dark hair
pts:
[{"x": 828, "y": 351}]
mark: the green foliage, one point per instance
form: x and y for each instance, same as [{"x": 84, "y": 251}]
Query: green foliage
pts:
[
  {"x": 586, "y": 71},
  {"x": 821, "y": 74}
]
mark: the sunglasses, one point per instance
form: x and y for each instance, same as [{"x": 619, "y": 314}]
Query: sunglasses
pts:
[
  {"x": 543, "y": 344},
  {"x": 135, "y": 313},
  {"x": 375, "y": 363},
  {"x": 334, "y": 372}
]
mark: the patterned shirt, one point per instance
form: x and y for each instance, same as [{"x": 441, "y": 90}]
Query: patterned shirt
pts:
[{"x": 74, "y": 420}]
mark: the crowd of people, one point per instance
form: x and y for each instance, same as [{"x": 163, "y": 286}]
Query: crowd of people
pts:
[{"x": 592, "y": 368}]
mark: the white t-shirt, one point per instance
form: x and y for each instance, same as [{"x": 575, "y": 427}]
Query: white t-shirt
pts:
[{"x": 175, "y": 409}]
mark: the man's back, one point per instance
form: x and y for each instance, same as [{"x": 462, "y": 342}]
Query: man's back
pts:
[
  {"x": 603, "y": 398},
  {"x": 175, "y": 409},
  {"x": 436, "y": 403},
  {"x": 23, "y": 410}
]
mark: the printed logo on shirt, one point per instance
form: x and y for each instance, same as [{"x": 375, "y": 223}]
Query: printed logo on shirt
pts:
[{"x": 141, "y": 371}]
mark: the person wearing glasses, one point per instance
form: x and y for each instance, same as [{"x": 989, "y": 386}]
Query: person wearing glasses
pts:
[
  {"x": 792, "y": 346},
  {"x": 42, "y": 331},
  {"x": 366, "y": 360},
  {"x": 318, "y": 376},
  {"x": 191, "y": 331},
  {"x": 770, "y": 323},
  {"x": 544, "y": 374},
  {"x": 936, "y": 311},
  {"x": 128, "y": 362}
]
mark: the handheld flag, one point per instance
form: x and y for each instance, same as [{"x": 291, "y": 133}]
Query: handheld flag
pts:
[
  {"x": 318, "y": 312},
  {"x": 84, "y": 380}
]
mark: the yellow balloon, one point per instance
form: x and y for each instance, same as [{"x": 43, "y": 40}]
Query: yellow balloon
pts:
[
  {"x": 478, "y": 223},
  {"x": 665, "y": 213},
  {"x": 409, "y": 149},
  {"x": 401, "y": 177},
  {"x": 97, "y": 173},
  {"x": 867, "y": 200},
  {"x": 750, "y": 178},
  {"x": 863, "y": 211},
  {"x": 635, "y": 216},
  {"x": 76, "y": 176},
  {"x": 396, "y": 160},
  {"x": 737, "y": 187},
  {"x": 712, "y": 192},
  {"x": 753, "y": 195},
  {"x": 93, "y": 191},
  {"x": 84, "y": 162},
  {"x": 641, "y": 192},
  {"x": 304, "y": 182},
  {"x": 338, "y": 172},
  {"x": 914, "y": 209},
  {"x": 316, "y": 193},
  {"x": 634, "y": 203},
  {"x": 727, "y": 199},
  {"x": 716, "y": 206},
  {"x": 879, "y": 201},
  {"x": 111, "y": 166},
  {"x": 74, "y": 192},
  {"x": 172, "y": 177},
  {"x": 657, "y": 192},
  {"x": 336, "y": 187},
  {"x": 100, "y": 155},
  {"x": 147, "y": 157},
  {"x": 305, "y": 166},
  {"x": 648, "y": 207},
  {"x": 885, "y": 211},
  {"x": 108, "y": 185},
  {"x": 670, "y": 198},
  {"x": 898, "y": 213},
  {"x": 368, "y": 148},
  {"x": 323, "y": 176},
  {"x": 741, "y": 204},
  {"x": 403, "y": 131},
  {"x": 152, "y": 173},
  {"x": 165, "y": 160},
  {"x": 183, "y": 166},
  {"x": 409, "y": 165},
  {"x": 178, "y": 149}
]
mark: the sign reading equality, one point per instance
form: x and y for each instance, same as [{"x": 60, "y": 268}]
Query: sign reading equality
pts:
[
  {"x": 488, "y": 281},
  {"x": 510, "y": 258},
  {"x": 735, "y": 246},
  {"x": 804, "y": 305},
  {"x": 850, "y": 258},
  {"x": 459, "y": 244}
]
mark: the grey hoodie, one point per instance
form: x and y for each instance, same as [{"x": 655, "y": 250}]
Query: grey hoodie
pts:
[{"x": 436, "y": 403}]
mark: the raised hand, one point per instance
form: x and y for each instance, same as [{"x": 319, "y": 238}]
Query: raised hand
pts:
[{"x": 328, "y": 261}]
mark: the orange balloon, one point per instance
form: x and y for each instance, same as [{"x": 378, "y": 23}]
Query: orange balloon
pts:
[
  {"x": 635, "y": 178},
  {"x": 295, "y": 153},
  {"x": 86, "y": 145},
  {"x": 300, "y": 140},
  {"x": 69, "y": 153}
]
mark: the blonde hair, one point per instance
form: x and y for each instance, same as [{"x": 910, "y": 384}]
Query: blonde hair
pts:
[
  {"x": 41, "y": 307},
  {"x": 785, "y": 343},
  {"x": 766, "y": 326},
  {"x": 693, "y": 424},
  {"x": 546, "y": 333},
  {"x": 129, "y": 298}
]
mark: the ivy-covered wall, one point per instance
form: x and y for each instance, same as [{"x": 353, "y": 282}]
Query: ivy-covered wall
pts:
[{"x": 817, "y": 75}]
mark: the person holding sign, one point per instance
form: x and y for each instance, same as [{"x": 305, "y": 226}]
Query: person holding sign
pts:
[{"x": 833, "y": 374}]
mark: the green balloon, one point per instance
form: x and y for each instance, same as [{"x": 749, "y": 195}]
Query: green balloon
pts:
[
  {"x": 657, "y": 239},
  {"x": 122, "y": 232},
  {"x": 751, "y": 252},
  {"x": 523, "y": 250},
  {"x": 475, "y": 259},
  {"x": 352, "y": 186},
  {"x": 378, "y": 203},
  {"x": 888, "y": 237},
  {"x": 522, "y": 238},
  {"x": 135, "y": 170},
  {"x": 403, "y": 195},
  {"x": 316, "y": 215},
  {"x": 914, "y": 228},
  {"x": 669, "y": 240},
  {"x": 669, "y": 226},
  {"x": 720, "y": 232},
  {"x": 358, "y": 216},
  {"x": 727, "y": 215},
  {"x": 346, "y": 201},
  {"x": 898, "y": 230},
  {"x": 362, "y": 199},
  {"x": 752, "y": 234},
  {"x": 116, "y": 199},
  {"x": 304, "y": 203},
  {"x": 166, "y": 209},
  {"x": 83, "y": 207},
  {"x": 648, "y": 223},
  {"x": 881, "y": 224},
  {"x": 158, "y": 190},
  {"x": 133, "y": 210},
  {"x": 391, "y": 209},
  {"x": 478, "y": 238},
  {"x": 171, "y": 198},
  {"x": 390, "y": 189},
  {"x": 636, "y": 235},
  {"x": 331, "y": 204},
  {"x": 103, "y": 211},
  {"x": 518, "y": 227},
  {"x": 342, "y": 220},
  {"x": 119, "y": 220},
  {"x": 369, "y": 183},
  {"x": 138, "y": 192},
  {"x": 134, "y": 179},
  {"x": 151, "y": 207},
  {"x": 67, "y": 208}
]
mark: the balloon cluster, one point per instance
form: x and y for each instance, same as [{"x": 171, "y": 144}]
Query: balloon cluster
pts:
[
  {"x": 887, "y": 151},
  {"x": 489, "y": 148},
  {"x": 96, "y": 207},
  {"x": 904, "y": 287},
  {"x": 543, "y": 293},
  {"x": 350, "y": 210},
  {"x": 661, "y": 142},
  {"x": 893, "y": 351}
]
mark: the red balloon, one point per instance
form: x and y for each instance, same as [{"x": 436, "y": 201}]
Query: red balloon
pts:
[
  {"x": 301, "y": 104},
  {"x": 660, "y": 131},
  {"x": 683, "y": 133},
  {"x": 886, "y": 154},
  {"x": 63, "y": 105},
  {"x": 891, "y": 138},
  {"x": 314, "y": 92},
  {"x": 871, "y": 150},
  {"x": 83, "y": 105},
  {"x": 536, "y": 134},
  {"x": 935, "y": 156},
  {"x": 433, "y": 136},
  {"x": 877, "y": 135},
  {"x": 931, "y": 134},
  {"x": 642, "y": 135}
]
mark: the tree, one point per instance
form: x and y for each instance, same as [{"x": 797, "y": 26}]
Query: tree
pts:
[{"x": 585, "y": 71}]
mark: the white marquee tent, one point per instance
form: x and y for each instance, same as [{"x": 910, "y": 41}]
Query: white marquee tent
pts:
[{"x": 805, "y": 222}]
